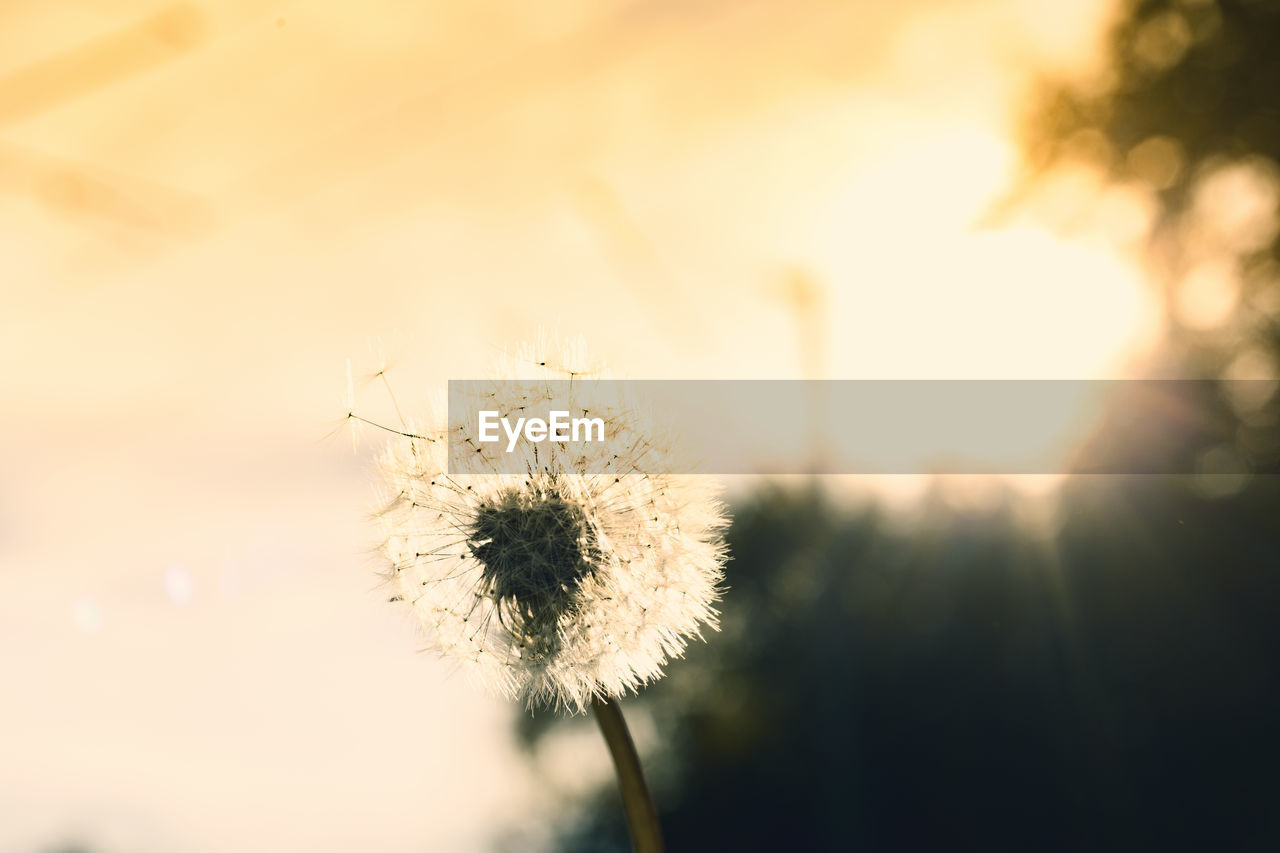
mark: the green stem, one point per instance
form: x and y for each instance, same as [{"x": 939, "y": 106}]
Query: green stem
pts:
[{"x": 642, "y": 816}]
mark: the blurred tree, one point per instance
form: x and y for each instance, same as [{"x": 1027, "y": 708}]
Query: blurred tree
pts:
[
  {"x": 1187, "y": 110},
  {"x": 1200, "y": 74},
  {"x": 971, "y": 685}
]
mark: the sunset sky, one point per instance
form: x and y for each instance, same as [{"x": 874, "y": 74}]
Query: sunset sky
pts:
[{"x": 207, "y": 208}]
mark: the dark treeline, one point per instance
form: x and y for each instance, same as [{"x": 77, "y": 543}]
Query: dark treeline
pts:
[{"x": 973, "y": 684}]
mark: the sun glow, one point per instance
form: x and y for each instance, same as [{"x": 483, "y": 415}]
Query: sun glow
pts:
[
  {"x": 926, "y": 283},
  {"x": 905, "y": 239}
]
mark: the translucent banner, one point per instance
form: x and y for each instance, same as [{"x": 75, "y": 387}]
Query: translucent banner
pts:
[{"x": 593, "y": 426}]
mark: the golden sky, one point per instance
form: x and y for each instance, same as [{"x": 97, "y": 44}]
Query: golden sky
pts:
[{"x": 207, "y": 208}]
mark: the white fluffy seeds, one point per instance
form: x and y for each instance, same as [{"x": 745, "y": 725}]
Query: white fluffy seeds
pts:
[{"x": 560, "y": 584}]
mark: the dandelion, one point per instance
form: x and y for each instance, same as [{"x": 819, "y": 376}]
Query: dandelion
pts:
[{"x": 569, "y": 584}]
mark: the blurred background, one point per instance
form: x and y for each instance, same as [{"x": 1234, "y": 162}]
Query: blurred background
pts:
[{"x": 207, "y": 208}]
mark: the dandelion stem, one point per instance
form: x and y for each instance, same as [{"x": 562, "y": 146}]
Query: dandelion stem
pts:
[{"x": 642, "y": 816}]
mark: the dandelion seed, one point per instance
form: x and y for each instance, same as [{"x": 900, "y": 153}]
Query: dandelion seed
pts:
[{"x": 557, "y": 586}]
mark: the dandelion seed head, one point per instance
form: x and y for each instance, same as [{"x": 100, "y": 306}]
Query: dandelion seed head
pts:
[{"x": 562, "y": 583}]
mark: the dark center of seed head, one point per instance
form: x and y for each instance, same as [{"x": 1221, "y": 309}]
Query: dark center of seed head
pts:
[{"x": 534, "y": 550}]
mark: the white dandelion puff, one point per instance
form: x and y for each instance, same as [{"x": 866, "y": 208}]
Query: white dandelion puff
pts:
[{"x": 561, "y": 585}]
